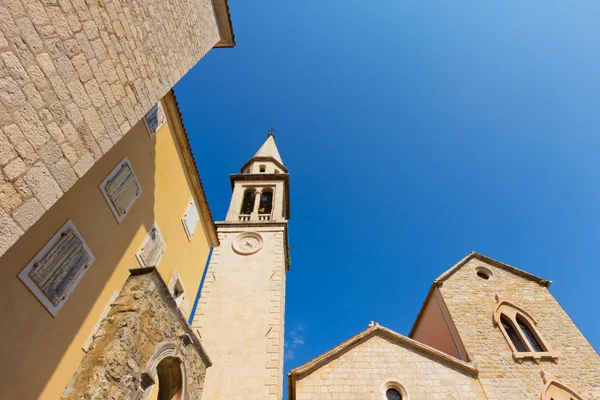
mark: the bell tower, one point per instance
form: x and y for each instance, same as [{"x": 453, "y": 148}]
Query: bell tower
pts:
[{"x": 240, "y": 313}]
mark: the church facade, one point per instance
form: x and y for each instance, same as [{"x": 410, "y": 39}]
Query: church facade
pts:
[{"x": 486, "y": 331}]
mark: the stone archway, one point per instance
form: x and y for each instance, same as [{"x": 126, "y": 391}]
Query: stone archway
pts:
[{"x": 169, "y": 376}]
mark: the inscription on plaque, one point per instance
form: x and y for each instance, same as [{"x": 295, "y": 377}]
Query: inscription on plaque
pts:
[
  {"x": 153, "y": 248},
  {"x": 155, "y": 119},
  {"x": 121, "y": 188},
  {"x": 57, "y": 268}
]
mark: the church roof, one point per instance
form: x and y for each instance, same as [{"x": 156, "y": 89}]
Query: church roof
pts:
[{"x": 374, "y": 329}]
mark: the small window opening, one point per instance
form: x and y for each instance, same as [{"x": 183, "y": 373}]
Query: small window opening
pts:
[
  {"x": 393, "y": 394},
  {"x": 482, "y": 275},
  {"x": 248, "y": 203},
  {"x": 262, "y": 168},
  {"x": 178, "y": 290},
  {"x": 512, "y": 334},
  {"x": 276, "y": 171},
  {"x": 266, "y": 203},
  {"x": 535, "y": 345}
]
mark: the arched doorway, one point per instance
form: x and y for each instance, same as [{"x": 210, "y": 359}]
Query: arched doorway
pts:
[{"x": 169, "y": 380}]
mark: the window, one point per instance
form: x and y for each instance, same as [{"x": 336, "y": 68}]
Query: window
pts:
[
  {"x": 391, "y": 389},
  {"x": 248, "y": 203},
  {"x": 55, "y": 271},
  {"x": 190, "y": 219},
  {"x": 512, "y": 334},
  {"x": 152, "y": 249},
  {"x": 484, "y": 273},
  {"x": 170, "y": 379},
  {"x": 393, "y": 394},
  {"x": 155, "y": 119},
  {"x": 262, "y": 168},
  {"x": 276, "y": 171},
  {"x": 179, "y": 293},
  {"x": 121, "y": 189},
  {"x": 554, "y": 390},
  {"x": 520, "y": 331},
  {"x": 266, "y": 203},
  {"x": 528, "y": 334}
]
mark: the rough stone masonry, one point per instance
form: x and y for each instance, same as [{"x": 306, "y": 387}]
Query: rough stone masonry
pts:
[{"x": 75, "y": 76}]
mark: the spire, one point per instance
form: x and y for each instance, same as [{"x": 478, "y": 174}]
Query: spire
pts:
[{"x": 269, "y": 149}]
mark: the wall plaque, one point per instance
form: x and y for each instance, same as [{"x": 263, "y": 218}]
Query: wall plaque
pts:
[
  {"x": 55, "y": 271},
  {"x": 152, "y": 249},
  {"x": 155, "y": 119},
  {"x": 121, "y": 188}
]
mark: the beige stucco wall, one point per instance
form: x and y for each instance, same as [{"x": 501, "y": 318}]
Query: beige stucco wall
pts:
[
  {"x": 75, "y": 76},
  {"x": 240, "y": 315},
  {"x": 359, "y": 373},
  {"x": 43, "y": 352},
  {"x": 470, "y": 301}
]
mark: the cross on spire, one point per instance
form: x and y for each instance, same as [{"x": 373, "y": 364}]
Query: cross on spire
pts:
[{"x": 272, "y": 132}]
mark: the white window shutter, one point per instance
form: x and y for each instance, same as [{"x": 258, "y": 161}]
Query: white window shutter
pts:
[{"x": 190, "y": 219}]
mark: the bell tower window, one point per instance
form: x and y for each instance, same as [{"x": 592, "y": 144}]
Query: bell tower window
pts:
[
  {"x": 248, "y": 203},
  {"x": 266, "y": 203},
  {"x": 262, "y": 168}
]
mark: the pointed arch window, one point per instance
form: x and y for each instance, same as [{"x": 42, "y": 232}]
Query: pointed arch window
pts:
[
  {"x": 266, "y": 202},
  {"x": 555, "y": 390},
  {"x": 520, "y": 331},
  {"x": 248, "y": 203},
  {"x": 512, "y": 334}
]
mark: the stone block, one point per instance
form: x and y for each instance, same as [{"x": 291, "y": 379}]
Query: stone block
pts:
[
  {"x": 43, "y": 185},
  {"x": 50, "y": 152},
  {"x": 15, "y": 168},
  {"x": 11, "y": 94},
  {"x": 84, "y": 164},
  {"x": 63, "y": 173},
  {"x": 9, "y": 197},
  {"x": 29, "y": 213},
  {"x": 7, "y": 153}
]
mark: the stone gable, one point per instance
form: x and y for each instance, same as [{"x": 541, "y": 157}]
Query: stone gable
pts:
[
  {"x": 471, "y": 302},
  {"x": 359, "y": 373}
]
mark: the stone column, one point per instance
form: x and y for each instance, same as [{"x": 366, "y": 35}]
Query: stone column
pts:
[{"x": 257, "y": 195}]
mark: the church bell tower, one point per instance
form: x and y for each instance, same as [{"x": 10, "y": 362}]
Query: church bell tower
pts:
[{"x": 240, "y": 314}]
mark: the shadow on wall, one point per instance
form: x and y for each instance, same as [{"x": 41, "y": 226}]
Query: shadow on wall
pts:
[{"x": 34, "y": 342}]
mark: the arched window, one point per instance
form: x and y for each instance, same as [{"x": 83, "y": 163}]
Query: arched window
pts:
[
  {"x": 393, "y": 394},
  {"x": 529, "y": 335},
  {"x": 262, "y": 168},
  {"x": 266, "y": 202},
  {"x": 512, "y": 334},
  {"x": 248, "y": 203},
  {"x": 555, "y": 390},
  {"x": 521, "y": 332}
]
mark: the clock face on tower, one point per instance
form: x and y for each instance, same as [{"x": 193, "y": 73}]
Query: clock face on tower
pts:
[{"x": 247, "y": 243}]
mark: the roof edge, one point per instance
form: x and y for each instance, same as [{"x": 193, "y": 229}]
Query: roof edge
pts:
[
  {"x": 496, "y": 263},
  {"x": 223, "y": 16},
  {"x": 191, "y": 167},
  {"x": 324, "y": 358}
]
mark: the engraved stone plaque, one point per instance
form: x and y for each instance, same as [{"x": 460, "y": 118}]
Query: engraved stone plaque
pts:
[
  {"x": 121, "y": 188},
  {"x": 152, "y": 249},
  {"x": 155, "y": 119},
  {"x": 55, "y": 271},
  {"x": 191, "y": 219}
]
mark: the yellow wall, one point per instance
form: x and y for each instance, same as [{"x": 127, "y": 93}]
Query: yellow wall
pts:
[{"x": 40, "y": 352}]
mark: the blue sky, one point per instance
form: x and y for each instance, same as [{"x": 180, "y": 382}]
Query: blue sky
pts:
[{"x": 414, "y": 133}]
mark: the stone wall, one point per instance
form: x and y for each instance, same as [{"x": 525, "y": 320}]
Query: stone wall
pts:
[
  {"x": 144, "y": 317},
  {"x": 240, "y": 315},
  {"x": 75, "y": 76},
  {"x": 471, "y": 302},
  {"x": 359, "y": 373}
]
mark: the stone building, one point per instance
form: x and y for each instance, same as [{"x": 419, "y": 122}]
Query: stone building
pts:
[
  {"x": 241, "y": 308},
  {"x": 486, "y": 331},
  {"x": 97, "y": 294},
  {"x": 75, "y": 77}
]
